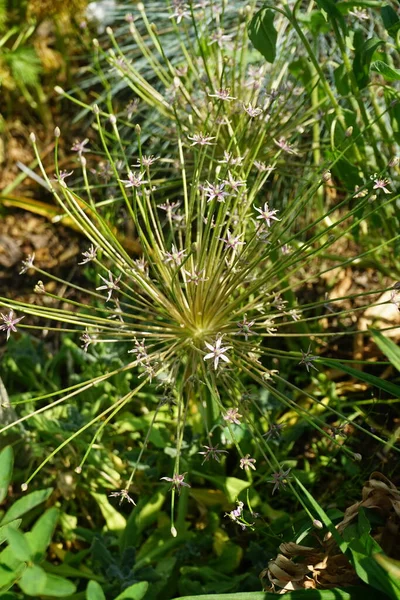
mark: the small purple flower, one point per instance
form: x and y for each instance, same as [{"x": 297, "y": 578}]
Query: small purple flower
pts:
[
  {"x": 267, "y": 214},
  {"x": 247, "y": 462},
  {"x": 111, "y": 284},
  {"x": 245, "y": 327},
  {"x": 232, "y": 241},
  {"x": 27, "y": 264},
  {"x": 79, "y": 147},
  {"x": 123, "y": 495},
  {"x": 215, "y": 191},
  {"x": 284, "y": 145},
  {"x": 279, "y": 479},
  {"x": 252, "y": 111},
  {"x": 89, "y": 254},
  {"x": 175, "y": 256},
  {"x": 307, "y": 359},
  {"x": 274, "y": 431},
  {"x": 134, "y": 180},
  {"x": 177, "y": 481},
  {"x": 201, "y": 139},
  {"x": 217, "y": 353},
  {"x": 232, "y": 415},
  {"x": 9, "y": 323},
  {"x": 212, "y": 452},
  {"x": 222, "y": 94},
  {"x": 380, "y": 184},
  {"x": 195, "y": 276}
]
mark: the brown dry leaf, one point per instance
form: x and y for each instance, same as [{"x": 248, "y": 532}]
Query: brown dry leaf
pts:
[{"x": 324, "y": 567}]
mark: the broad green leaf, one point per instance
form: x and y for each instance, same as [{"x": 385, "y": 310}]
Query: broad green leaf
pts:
[
  {"x": 390, "y": 19},
  {"x": 3, "y": 529},
  {"x": 25, "y": 504},
  {"x": 389, "y": 564},
  {"x": 387, "y": 386},
  {"x": 333, "y": 13},
  {"x": 362, "y": 549},
  {"x": 388, "y": 73},
  {"x": 388, "y": 347},
  {"x": 231, "y": 486},
  {"x": 33, "y": 581},
  {"x": 58, "y": 586},
  {"x": 94, "y": 591},
  {"x": 362, "y": 60},
  {"x": 6, "y": 470},
  {"x": 9, "y": 576},
  {"x": 114, "y": 520},
  {"x": 40, "y": 536},
  {"x": 134, "y": 592},
  {"x": 263, "y": 34},
  {"x": 19, "y": 545}
]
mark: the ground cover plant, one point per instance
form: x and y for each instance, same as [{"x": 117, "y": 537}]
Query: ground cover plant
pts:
[{"x": 218, "y": 366}]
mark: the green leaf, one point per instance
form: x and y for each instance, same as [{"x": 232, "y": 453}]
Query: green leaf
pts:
[
  {"x": 387, "y": 386},
  {"x": 388, "y": 347},
  {"x": 388, "y": 73},
  {"x": 40, "y": 536},
  {"x": 25, "y": 504},
  {"x": 25, "y": 65},
  {"x": 33, "y": 581},
  {"x": 94, "y": 591},
  {"x": 6, "y": 470},
  {"x": 134, "y": 592},
  {"x": 114, "y": 520},
  {"x": 58, "y": 586},
  {"x": 263, "y": 34},
  {"x": 389, "y": 564},
  {"x": 362, "y": 60},
  {"x": 19, "y": 545},
  {"x": 390, "y": 19},
  {"x": 231, "y": 486},
  {"x": 4, "y": 528},
  {"x": 331, "y": 10}
]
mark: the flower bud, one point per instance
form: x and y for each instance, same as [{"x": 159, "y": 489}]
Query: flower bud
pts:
[
  {"x": 138, "y": 129},
  {"x": 112, "y": 119},
  {"x": 96, "y": 109},
  {"x": 58, "y": 90},
  {"x": 57, "y": 132},
  {"x": 24, "y": 487},
  {"x": 317, "y": 524},
  {"x": 394, "y": 161},
  {"x": 109, "y": 31},
  {"x": 174, "y": 532},
  {"x": 357, "y": 457},
  {"x": 95, "y": 42},
  {"x": 32, "y": 137},
  {"x": 349, "y": 131},
  {"x": 78, "y": 470}
]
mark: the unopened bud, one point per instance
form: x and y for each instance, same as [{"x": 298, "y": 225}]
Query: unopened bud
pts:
[
  {"x": 39, "y": 288},
  {"x": 83, "y": 160},
  {"x": 357, "y": 457},
  {"x": 349, "y": 131},
  {"x": 58, "y": 90},
  {"x": 57, "y": 132},
  {"x": 317, "y": 524},
  {"x": 326, "y": 175},
  {"x": 78, "y": 470},
  {"x": 393, "y": 162},
  {"x": 112, "y": 119},
  {"x": 32, "y": 137},
  {"x": 95, "y": 42},
  {"x": 96, "y": 109},
  {"x": 174, "y": 532},
  {"x": 109, "y": 31},
  {"x": 24, "y": 487},
  {"x": 138, "y": 129}
]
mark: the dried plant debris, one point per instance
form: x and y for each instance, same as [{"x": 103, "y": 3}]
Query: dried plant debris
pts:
[{"x": 303, "y": 567}]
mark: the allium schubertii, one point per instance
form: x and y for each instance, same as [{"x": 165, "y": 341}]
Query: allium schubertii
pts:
[{"x": 208, "y": 305}]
